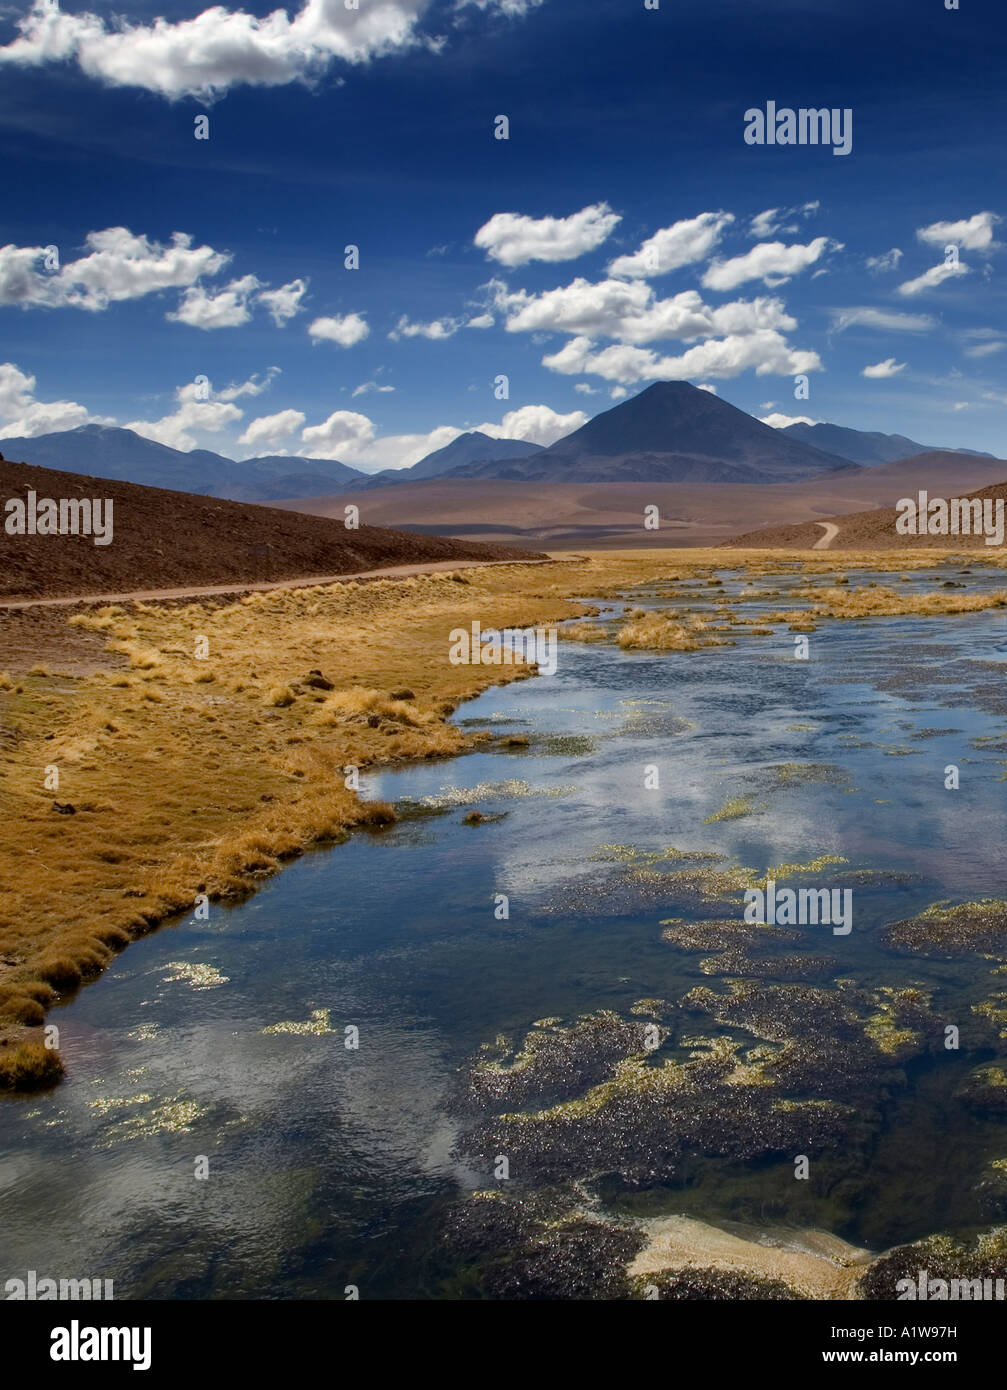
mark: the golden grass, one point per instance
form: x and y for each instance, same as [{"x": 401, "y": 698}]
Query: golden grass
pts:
[{"x": 882, "y": 602}]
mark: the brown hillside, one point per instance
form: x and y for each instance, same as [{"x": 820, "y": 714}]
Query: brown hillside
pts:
[
  {"x": 168, "y": 539},
  {"x": 875, "y": 529}
]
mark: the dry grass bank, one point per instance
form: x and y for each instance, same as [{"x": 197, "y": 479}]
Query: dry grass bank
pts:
[{"x": 179, "y": 776}]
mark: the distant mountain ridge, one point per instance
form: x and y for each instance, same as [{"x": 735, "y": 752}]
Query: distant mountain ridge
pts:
[
  {"x": 472, "y": 447},
  {"x": 670, "y": 432},
  {"x": 107, "y": 451},
  {"x": 867, "y": 447}
]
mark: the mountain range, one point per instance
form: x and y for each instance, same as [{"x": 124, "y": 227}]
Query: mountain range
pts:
[
  {"x": 867, "y": 447},
  {"x": 671, "y": 432}
]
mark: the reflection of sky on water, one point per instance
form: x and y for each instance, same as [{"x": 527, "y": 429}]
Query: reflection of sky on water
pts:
[{"x": 324, "y": 1161}]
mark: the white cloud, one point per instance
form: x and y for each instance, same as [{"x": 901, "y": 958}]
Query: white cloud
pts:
[
  {"x": 513, "y": 239},
  {"x": 771, "y": 262},
  {"x": 175, "y": 430},
  {"x": 366, "y": 387},
  {"x": 764, "y": 352},
  {"x": 21, "y": 415},
  {"x": 889, "y": 260},
  {"x": 481, "y": 321},
  {"x": 970, "y": 233},
  {"x": 631, "y": 312},
  {"x": 880, "y": 371},
  {"x": 227, "y": 308},
  {"x": 538, "y": 424},
  {"x": 194, "y": 415},
  {"x": 436, "y": 331},
  {"x": 283, "y": 303},
  {"x": 219, "y": 48},
  {"x": 344, "y": 432},
  {"x": 765, "y": 224},
  {"x": 118, "y": 266},
  {"x": 273, "y": 430},
  {"x": 345, "y": 330},
  {"x": 683, "y": 243},
  {"x": 706, "y": 386},
  {"x": 584, "y": 388},
  {"x": 780, "y": 422},
  {"x": 884, "y": 319},
  {"x": 254, "y": 386},
  {"x": 933, "y": 277},
  {"x": 985, "y": 349}
]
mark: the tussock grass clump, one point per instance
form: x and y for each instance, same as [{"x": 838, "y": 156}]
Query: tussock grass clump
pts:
[
  {"x": 654, "y": 632},
  {"x": 280, "y": 696},
  {"x": 882, "y": 602},
  {"x": 29, "y": 1066}
]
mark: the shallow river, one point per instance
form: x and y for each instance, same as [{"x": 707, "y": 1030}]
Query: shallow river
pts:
[{"x": 331, "y": 1165}]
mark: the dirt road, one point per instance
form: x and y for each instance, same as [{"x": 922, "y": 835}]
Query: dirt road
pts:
[
  {"x": 153, "y": 595},
  {"x": 831, "y": 532}
]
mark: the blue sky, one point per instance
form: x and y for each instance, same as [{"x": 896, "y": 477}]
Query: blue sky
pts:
[{"x": 479, "y": 257}]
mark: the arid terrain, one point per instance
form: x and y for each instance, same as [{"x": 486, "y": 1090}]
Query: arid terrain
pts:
[
  {"x": 571, "y": 516},
  {"x": 871, "y": 529}
]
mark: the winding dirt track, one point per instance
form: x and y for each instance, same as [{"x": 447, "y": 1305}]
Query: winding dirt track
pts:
[
  {"x": 152, "y": 595},
  {"x": 831, "y": 532}
]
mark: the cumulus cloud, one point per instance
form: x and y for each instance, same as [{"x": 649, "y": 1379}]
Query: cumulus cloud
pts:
[
  {"x": 351, "y": 438},
  {"x": 631, "y": 312},
  {"x": 227, "y": 308},
  {"x": 273, "y": 431},
  {"x": 772, "y": 262},
  {"x": 884, "y": 319},
  {"x": 195, "y": 415},
  {"x": 118, "y": 266},
  {"x": 881, "y": 370},
  {"x": 933, "y": 277},
  {"x": 22, "y": 415},
  {"x": 764, "y": 351},
  {"x": 538, "y": 424},
  {"x": 219, "y": 48},
  {"x": 175, "y": 430},
  {"x": 283, "y": 303},
  {"x": 345, "y": 330},
  {"x": 780, "y": 422},
  {"x": 342, "y": 433},
  {"x": 513, "y": 239},
  {"x": 436, "y": 331},
  {"x": 683, "y": 243},
  {"x": 970, "y": 233},
  {"x": 889, "y": 260}
]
